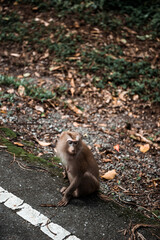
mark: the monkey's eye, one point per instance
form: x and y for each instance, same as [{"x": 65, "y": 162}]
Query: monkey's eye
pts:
[{"x": 70, "y": 142}]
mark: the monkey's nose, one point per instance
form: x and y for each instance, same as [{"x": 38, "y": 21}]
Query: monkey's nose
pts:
[{"x": 73, "y": 151}]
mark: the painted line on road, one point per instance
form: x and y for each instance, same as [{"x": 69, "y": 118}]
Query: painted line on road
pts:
[{"x": 24, "y": 210}]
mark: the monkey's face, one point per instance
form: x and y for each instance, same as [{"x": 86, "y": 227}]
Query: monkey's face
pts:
[{"x": 72, "y": 147}]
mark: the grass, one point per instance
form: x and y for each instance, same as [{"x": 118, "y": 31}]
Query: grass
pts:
[
  {"x": 6, "y": 138},
  {"x": 139, "y": 77},
  {"x": 30, "y": 89}
]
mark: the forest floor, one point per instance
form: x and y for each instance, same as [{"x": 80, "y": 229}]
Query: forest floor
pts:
[{"x": 121, "y": 129}]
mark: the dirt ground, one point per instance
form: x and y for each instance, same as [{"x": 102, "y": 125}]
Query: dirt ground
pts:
[{"x": 122, "y": 131}]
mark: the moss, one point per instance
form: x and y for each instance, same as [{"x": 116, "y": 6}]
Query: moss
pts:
[
  {"x": 8, "y": 132},
  {"x": 29, "y": 157}
]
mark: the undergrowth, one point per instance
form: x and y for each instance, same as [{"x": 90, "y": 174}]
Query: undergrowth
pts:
[
  {"x": 30, "y": 89},
  {"x": 105, "y": 63},
  {"x": 137, "y": 14}
]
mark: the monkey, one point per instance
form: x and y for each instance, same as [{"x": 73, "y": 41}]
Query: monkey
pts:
[{"x": 79, "y": 164}]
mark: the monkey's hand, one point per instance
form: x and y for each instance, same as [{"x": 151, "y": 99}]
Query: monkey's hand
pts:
[
  {"x": 63, "y": 202},
  {"x": 63, "y": 189}
]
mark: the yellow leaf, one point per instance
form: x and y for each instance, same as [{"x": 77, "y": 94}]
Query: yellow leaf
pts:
[
  {"x": 109, "y": 175},
  {"x": 18, "y": 144},
  {"x": 144, "y": 148},
  {"x": 42, "y": 143}
]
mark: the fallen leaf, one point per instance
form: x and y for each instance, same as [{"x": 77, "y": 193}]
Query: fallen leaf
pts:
[
  {"x": 76, "y": 24},
  {"x": 11, "y": 90},
  {"x": 122, "y": 96},
  {"x": 72, "y": 90},
  {"x": 106, "y": 160},
  {"x": 43, "y": 143},
  {"x": 144, "y": 148},
  {"x": 21, "y": 91},
  {"x": 37, "y": 74},
  {"x": 75, "y": 109},
  {"x": 15, "y": 55},
  {"x": 75, "y": 124},
  {"x": 124, "y": 41},
  {"x": 54, "y": 68},
  {"x": 18, "y": 144},
  {"x": 135, "y": 97},
  {"x": 46, "y": 55},
  {"x": 109, "y": 175},
  {"x": 26, "y": 75},
  {"x": 3, "y": 110},
  {"x": 102, "y": 125},
  {"x": 39, "y": 108},
  {"x": 70, "y": 75},
  {"x": 116, "y": 147}
]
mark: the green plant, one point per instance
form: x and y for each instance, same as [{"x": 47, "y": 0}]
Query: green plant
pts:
[{"x": 30, "y": 88}]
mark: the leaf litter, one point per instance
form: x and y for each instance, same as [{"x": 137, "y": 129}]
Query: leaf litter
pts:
[{"x": 101, "y": 117}]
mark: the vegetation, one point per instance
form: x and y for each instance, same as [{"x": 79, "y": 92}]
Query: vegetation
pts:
[{"x": 105, "y": 62}]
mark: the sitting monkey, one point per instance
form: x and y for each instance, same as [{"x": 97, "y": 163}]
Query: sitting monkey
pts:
[{"x": 79, "y": 164}]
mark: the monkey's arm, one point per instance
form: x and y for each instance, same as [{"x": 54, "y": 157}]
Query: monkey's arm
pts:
[{"x": 69, "y": 191}]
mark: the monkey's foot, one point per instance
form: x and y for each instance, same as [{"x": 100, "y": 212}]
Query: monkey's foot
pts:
[
  {"x": 63, "y": 190},
  {"x": 63, "y": 202}
]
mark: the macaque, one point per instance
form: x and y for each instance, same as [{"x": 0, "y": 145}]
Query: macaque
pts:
[{"x": 80, "y": 166}]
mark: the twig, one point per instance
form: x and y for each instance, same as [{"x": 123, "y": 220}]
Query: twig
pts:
[
  {"x": 134, "y": 229},
  {"x": 48, "y": 205},
  {"x": 106, "y": 198},
  {"x": 141, "y": 236},
  {"x": 130, "y": 203}
]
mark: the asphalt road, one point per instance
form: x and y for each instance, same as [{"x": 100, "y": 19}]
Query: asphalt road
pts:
[{"x": 84, "y": 218}]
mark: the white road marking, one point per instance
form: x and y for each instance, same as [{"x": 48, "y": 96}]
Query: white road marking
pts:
[{"x": 24, "y": 210}]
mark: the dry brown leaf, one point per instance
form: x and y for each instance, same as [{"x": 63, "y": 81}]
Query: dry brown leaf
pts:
[
  {"x": 39, "y": 108},
  {"x": 106, "y": 160},
  {"x": 37, "y": 74},
  {"x": 43, "y": 143},
  {"x": 46, "y": 55},
  {"x": 15, "y": 55},
  {"x": 21, "y": 91},
  {"x": 75, "y": 109},
  {"x": 144, "y": 148},
  {"x": 20, "y": 76},
  {"x": 109, "y": 175},
  {"x": 122, "y": 96},
  {"x": 76, "y": 24},
  {"x": 102, "y": 125},
  {"x": 69, "y": 74},
  {"x": 18, "y": 144},
  {"x": 135, "y": 97},
  {"x": 11, "y": 90},
  {"x": 75, "y": 124},
  {"x": 72, "y": 91},
  {"x": 72, "y": 83}
]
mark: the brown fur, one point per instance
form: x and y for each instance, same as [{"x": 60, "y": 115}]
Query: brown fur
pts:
[{"x": 79, "y": 164}]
